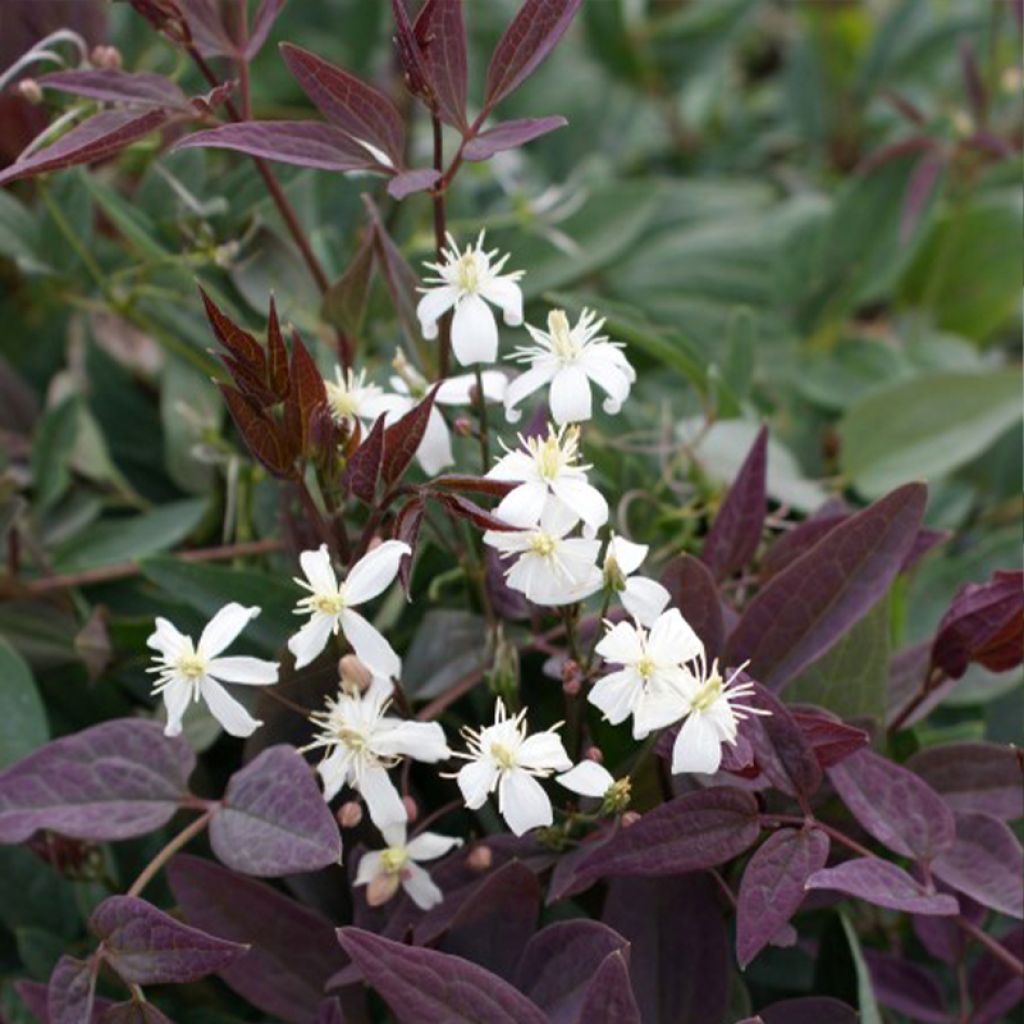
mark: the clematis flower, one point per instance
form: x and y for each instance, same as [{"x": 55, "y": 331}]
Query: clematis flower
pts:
[
  {"x": 504, "y": 757},
  {"x": 362, "y": 742},
  {"x": 350, "y": 397},
  {"x": 649, "y": 686},
  {"x": 569, "y": 359},
  {"x": 551, "y": 568},
  {"x": 465, "y": 280},
  {"x": 712, "y": 716},
  {"x": 644, "y": 599},
  {"x": 547, "y": 473},
  {"x": 187, "y": 671},
  {"x": 330, "y": 605},
  {"x": 382, "y": 871}
]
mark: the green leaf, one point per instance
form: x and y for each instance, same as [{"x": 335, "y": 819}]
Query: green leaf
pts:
[
  {"x": 23, "y": 725},
  {"x": 132, "y": 221},
  {"x": 926, "y": 427},
  {"x": 190, "y": 410},
  {"x": 33, "y": 894},
  {"x": 53, "y": 445},
  {"x": 19, "y": 235},
  {"x": 869, "y": 1011}
]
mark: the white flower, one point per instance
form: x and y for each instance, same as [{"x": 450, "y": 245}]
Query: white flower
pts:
[
  {"x": 547, "y": 471},
  {"x": 649, "y": 684},
  {"x": 552, "y": 569},
  {"x": 588, "y": 778},
  {"x": 712, "y": 716},
  {"x": 188, "y": 672},
  {"x": 569, "y": 358},
  {"x": 644, "y": 599},
  {"x": 330, "y": 606},
  {"x": 465, "y": 280},
  {"x": 362, "y": 742},
  {"x": 384, "y": 870},
  {"x": 504, "y": 757},
  {"x": 351, "y": 397}
]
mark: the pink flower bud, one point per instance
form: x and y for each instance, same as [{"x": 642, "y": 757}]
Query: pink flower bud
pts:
[
  {"x": 630, "y": 818},
  {"x": 350, "y": 814},
  {"x": 30, "y": 90},
  {"x": 480, "y": 859},
  {"x": 106, "y": 57},
  {"x": 594, "y": 754},
  {"x": 354, "y": 672},
  {"x": 411, "y": 809},
  {"x": 463, "y": 426}
]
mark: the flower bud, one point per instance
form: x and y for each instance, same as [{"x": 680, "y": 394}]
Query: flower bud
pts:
[
  {"x": 414, "y": 380},
  {"x": 572, "y": 678},
  {"x": 617, "y": 798},
  {"x": 614, "y": 578},
  {"x": 463, "y": 426},
  {"x": 594, "y": 754},
  {"x": 354, "y": 673},
  {"x": 350, "y": 814},
  {"x": 630, "y": 818},
  {"x": 412, "y": 810},
  {"x": 106, "y": 57},
  {"x": 30, "y": 90},
  {"x": 382, "y": 888},
  {"x": 480, "y": 858}
]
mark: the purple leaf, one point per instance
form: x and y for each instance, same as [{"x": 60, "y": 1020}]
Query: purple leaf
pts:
[
  {"x": 984, "y": 777},
  {"x": 884, "y": 884},
  {"x": 809, "y": 1010},
  {"x": 609, "y": 999},
  {"x": 303, "y": 143},
  {"x": 330, "y": 1012},
  {"x": 994, "y": 988},
  {"x": 120, "y": 779},
  {"x": 132, "y": 1012},
  {"x": 363, "y": 469},
  {"x": 680, "y": 963},
  {"x": 906, "y": 987},
  {"x": 559, "y": 963},
  {"x": 529, "y": 38},
  {"x": 811, "y": 603},
  {"x": 100, "y": 136},
  {"x": 440, "y": 32},
  {"x": 208, "y": 32},
  {"x": 942, "y": 936},
  {"x": 115, "y": 86},
  {"x": 795, "y": 542},
  {"x": 409, "y": 182},
  {"x": 399, "y": 277},
  {"x": 736, "y": 531},
  {"x": 986, "y": 862},
  {"x": 402, "y": 439},
  {"x": 262, "y": 23},
  {"x": 71, "y": 992},
  {"x": 351, "y": 104},
  {"x": 34, "y": 995},
  {"x": 423, "y": 986},
  {"x": 273, "y": 820},
  {"x": 920, "y": 188},
  {"x": 831, "y": 740},
  {"x": 147, "y": 947},
  {"x": 772, "y": 887},
  {"x": 974, "y": 85},
  {"x": 507, "y": 603},
  {"x": 781, "y": 749},
  {"x": 694, "y": 831},
  {"x": 509, "y": 135},
  {"x": 293, "y": 951},
  {"x": 896, "y": 806},
  {"x": 695, "y": 594}
]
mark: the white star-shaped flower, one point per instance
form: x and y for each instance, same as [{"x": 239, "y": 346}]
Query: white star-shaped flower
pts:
[
  {"x": 382, "y": 871},
  {"x": 188, "y": 671},
  {"x": 504, "y": 757},
  {"x": 570, "y": 359},
  {"x": 644, "y": 599},
  {"x": 547, "y": 471},
  {"x": 350, "y": 397},
  {"x": 330, "y": 605},
  {"x": 362, "y": 742},
  {"x": 465, "y": 280},
  {"x": 551, "y": 568},
  {"x": 649, "y": 684}
]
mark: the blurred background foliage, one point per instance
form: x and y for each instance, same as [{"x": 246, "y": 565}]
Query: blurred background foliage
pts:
[{"x": 739, "y": 191}]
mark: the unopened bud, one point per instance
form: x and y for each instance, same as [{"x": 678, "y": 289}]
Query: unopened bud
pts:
[
  {"x": 463, "y": 426},
  {"x": 630, "y": 818},
  {"x": 572, "y": 678},
  {"x": 414, "y": 380},
  {"x": 30, "y": 91},
  {"x": 350, "y": 814},
  {"x": 382, "y": 888},
  {"x": 474, "y": 394},
  {"x": 354, "y": 674},
  {"x": 617, "y": 797},
  {"x": 480, "y": 858},
  {"x": 594, "y": 754},
  {"x": 412, "y": 810},
  {"x": 106, "y": 57},
  {"x": 614, "y": 578}
]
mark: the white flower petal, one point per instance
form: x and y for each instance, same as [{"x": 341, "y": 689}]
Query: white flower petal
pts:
[
  {"x": 613, "y": 695},
  {"x": 644, "y": 599},
  {"x": 307, "y": 644},
  {"x": 369, "y": 645},
  {"x": 422, "y": 741},
  {"x": 334, "y": 770},
  {"x": 474, "y": 332},
  {"x": 382, "y": 798},
  {"x": 374, "y": 572},
  {"x": 672, "y": 639},
  {"x": 431, "y": 845},
  {"x": 422, "y": 889},
  {"x": 317, "y": 568},
  {"x": 223, "y": 628},
  {"x": 603, "y": 364},
  {"x": 166, "y": 639},
  {"x": 588, "y": 778},
  {"x": 655, "y": 708},
  {"x": 176, "y": 696},
  {"x": 235, "y": 719},
  {"x": 585, "y": 501},
  {"x": 621, "y": 644},
  {"x": 697, "y": 747},
  {"x": 628, "y": 555},
  {"x": 523, "y": 803},
  {"x": 250, "y": 671},
  {"x": 524, "y": 505},
  {"x": 570, "y": 396},
  {"x": 543, "y": 750},
  {"x": 369, "y": 868},
  {"x": 434, "y": 304},
  {"x": 514, "y": 467},
  {"x": 435, "y": 450},
  {"x": 507, "y": 296},
  {"x": 476, "y": 780},
  {"x": 526, "y": 384}
]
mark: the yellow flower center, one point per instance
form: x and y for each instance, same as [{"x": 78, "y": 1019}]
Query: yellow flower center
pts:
[
  {"x": 342, "y": 401},
  {"x": 503, "y": 755},
  {"x": 466, "y": 273},
  {"x": 329, "y": 604},
  {"x": 393, "y": 859},
  {"x": 562, "y": 342},
  {"x": 646, "y": 666},
  {"x": 708, "y": 694},
  {"x": 543, "y": 544},
  {"x": 191, "y": 666},
  {"x": 352, "y": 738}
]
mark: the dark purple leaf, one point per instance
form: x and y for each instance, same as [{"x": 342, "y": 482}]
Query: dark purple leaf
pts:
[
  {"x": 402, "y": 439},
  {"x": 984, "y": 777},
  {"x": 119, "y": 779},
  {"x": 994, "y": 988},
  {"x": 694, "y": 593},
  {"x": 986, "y": 862},
  {"x": 262, "y": 23},
  {"x": 303, "y": 143},
  {"x": 736, "y": 531},
  {"x": 148, "y": 947},
  {"x": 809, "y": 1010},
  {"x": 351, "y": 104},
  {"x": 407, "y": 528},
  {"x": 694, "y": 831},
  {"x": 772, "y": 887},
  {"x": 781, "y": 749},
  {"x": 423, "y": 986},
  {"x": 363, "y": 469},
  {"x": 898, "y": 150},
  {"x": 977, "y": 93},
  {"x": 679, "y": 957},
  {"x": 306, "y": 396},
  {"x": 942, "y": 936},
  {"x": 884, "y": 884},
  {"x": 507, "y": 603},
  {"x": 810, "y": 604},
  {"x": 910, "y": 111},
  {"x": 906, "y": 987},
  {"x": 896, "y": 806},
  {"x": 71, "y": 992},
  {"x": 474, "y": 484},
  {"x": 559, "y": 963},
  {"x": 410, "y": 56},
  {"x": 261, "y": 434},
  {"x": 34, "y": 995},
  {"x": 509, "y": 135},
  {"x": 801, "y": 538},
  {"x": 609, "y": 999},
  {"x": 532, "y": 34},
  {"x": 987, "y": 142},
  {"x": 920, "y": 188},
  {"x": 399, "y": 277},
  {"x": 132, "y": 1012},
  {"x": 240, "y": 343},
  {"x": 101, "y": 136},
  {"x": 831, "y": 740},
  {"x": 463, "y": 508},
  {"x": 277, "y": 355},
  {"x": 409, "y": 182},
  {"x": 293, "y": 950},
  {"x": 440, "y": 33},
  {"x": 208, "y": 31},
  {"x": 330, "y": 1012},
  {"x": 925, "y": 540},
  {"x": 141, "y": 88},
  {"x": 273, "y": 820}
]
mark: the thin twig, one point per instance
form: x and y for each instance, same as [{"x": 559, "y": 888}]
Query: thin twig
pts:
[
  {"x": 440, "y": 231},
  {"x": 189, "y": 832}
]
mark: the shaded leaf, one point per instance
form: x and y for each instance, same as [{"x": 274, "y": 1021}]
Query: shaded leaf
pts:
[
  {"x": 440, "y": 33},
  {"x": 262, "y": 23},
  {"x": 832, "y": 741},
  {"x": 261, "y": 434},
  {"x": 363, "y": 469},
  {"x": 906, "y": 987},
  {"x": 993, "y": 987},
  {"x": 975, "y": 777},
  {"x": 463, "y": 508},
  {"x": 345, "y": 301},
  {"x": 884, "y": 884},
  {"x": 240, "y": 343},
  {"x": 408, "y": 183},
  {"x": 71, "y": 993},
  {"x": 407, "y": 529},
  {"x": 133, "y": 1012},
  {"x": 116, "y": 86},
  {"x": 809, "y": 1010},
  {"x": 277, "y": 355},
  {"x": 23, "y": 725},
  {"x": 781, "y": 749},
  {"x": 510, "y": 135},
  {"x": 402, "y": 439},
  {"x": 306, "y": 395},
  {"x": 609, "y": 999},
  {"x": 695, "y": 594}
]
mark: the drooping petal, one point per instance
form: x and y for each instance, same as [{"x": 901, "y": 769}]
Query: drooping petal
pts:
[
  {"x": 544, "y": 750},
  {"x": 317, "y": 568},
  {"x": 422, "y": 741},
  {"x": 235, "y": 719},
  {"x": 382, "y": 798},
  {"x": 434, "y": 304},
  {"x": 514, "y": 467},
  {"x": 474, "y": 332},
  {"x": 644, "y": 599},
  {"x": 476, "y": 780},
  {"x": 223, "y": 628},
  {"x": 585, "y": 500},
  {"x": 250, "y": 671},
  {"x": 570, "y": 396},
  {"x": 523, "y": 505},
  {"x": 166, "y": 639},
  {"x": 370, "y": 646},
  {"x": 525, "y": 384},
  {"x": 375, "y": 571},
  {"x": 613, "y": 695},
  {"x": 588, "y": 778},
  {"x": 334, "y": 771},
  {"x": 628, "y": 555},
  {"x": 558, "y": 519},
  {"x": 507, "y": 296},
  {"x": 176, "y": 696},
  {"x": 368, "y": 869},
  {"x": 435, "y": 450},
  {"x": 621, "y": 645},
  {"x": 430, "y": 846},
  {"x": 522, "y": 801},
  {"x": 311, "y": 639},
  {"x": 603, "y": 364},
  {"x": 422, "y": 889},
  {"x": 672, "y": 639},
  {"x": 697, "y": 747}
]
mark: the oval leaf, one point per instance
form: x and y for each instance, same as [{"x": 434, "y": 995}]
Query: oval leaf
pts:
[
  {"x": 509, "y": 135},
  {"x": 975, "y": 777},
  {"x": 884, "y": 884},
  {"x": 610, "y": 999}
]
